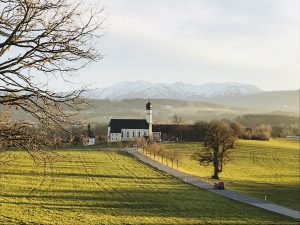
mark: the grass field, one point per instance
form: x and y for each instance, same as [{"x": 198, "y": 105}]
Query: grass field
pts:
[
  {"x": 257, "y": 168},
  {"x": 95, "y": 187}
]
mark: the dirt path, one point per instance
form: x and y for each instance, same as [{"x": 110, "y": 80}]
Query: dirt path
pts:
[{"x": 227, "y": 193}]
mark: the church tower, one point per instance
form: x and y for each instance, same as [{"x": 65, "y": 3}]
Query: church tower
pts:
[{"x": 149, "y": 117}]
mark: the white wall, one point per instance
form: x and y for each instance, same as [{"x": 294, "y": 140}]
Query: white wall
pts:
[
  {"x": 108, "y": 132},
  {"x": 91, "y": 141},
  {"x": 133, "y": 133},
  {"x": 114, "y": 137},
  {"x": 149, "y": 120}
]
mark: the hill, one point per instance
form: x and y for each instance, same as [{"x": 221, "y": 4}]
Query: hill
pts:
[
  {"x": 257, "y": 168},
  {"x": 287, "y": 101},
  {"x": 163, "y": 110}
]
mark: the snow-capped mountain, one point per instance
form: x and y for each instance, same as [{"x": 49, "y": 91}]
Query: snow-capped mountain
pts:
[{"x": 179, "y": 90}]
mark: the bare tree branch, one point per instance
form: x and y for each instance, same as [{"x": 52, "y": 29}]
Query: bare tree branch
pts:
[{"x": 45, "y": 38}]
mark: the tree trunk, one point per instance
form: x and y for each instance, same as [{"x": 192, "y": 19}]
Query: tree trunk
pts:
[
  {"x": 216, "y": 164},
  {"x": 216, "y": 172}
]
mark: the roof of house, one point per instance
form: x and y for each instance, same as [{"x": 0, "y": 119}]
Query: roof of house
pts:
[
  {"x": 90, "y": 134},
  {"x": 116, "y": 125}
]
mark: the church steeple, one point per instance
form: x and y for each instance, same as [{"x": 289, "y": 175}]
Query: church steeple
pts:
[
  {"x": 148, "y": 106},
  {"x": 149, "y": 117}
]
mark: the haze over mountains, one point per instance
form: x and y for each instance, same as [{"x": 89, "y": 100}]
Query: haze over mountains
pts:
[
  {"x": 229, "y": 94},
  {"x": 179, "y": 90}
]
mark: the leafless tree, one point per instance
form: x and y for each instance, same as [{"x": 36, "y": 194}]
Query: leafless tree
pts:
[
  {"x": 219, "y": 141},
  {"x": 141, "y": 143},
  {"x": 41, "y": 40},
  {"x": 177, "y": 119}
]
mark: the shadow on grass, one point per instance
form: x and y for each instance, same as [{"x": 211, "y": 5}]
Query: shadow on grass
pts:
[
  {"x": 181, "y": 203},
  {"x": 81, "y": 175}
]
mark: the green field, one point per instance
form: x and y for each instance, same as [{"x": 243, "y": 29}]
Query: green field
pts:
[
  {"x": 257, "y": 168},
  {"x": 102, "y": 187}
]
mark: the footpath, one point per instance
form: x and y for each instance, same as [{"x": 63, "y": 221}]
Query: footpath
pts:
[{"x": 227, "y": 193}]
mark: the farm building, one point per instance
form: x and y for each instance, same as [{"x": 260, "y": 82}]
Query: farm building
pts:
[
  {"x": 89, "y": 138},
  {"x": 130, "y": 129}
]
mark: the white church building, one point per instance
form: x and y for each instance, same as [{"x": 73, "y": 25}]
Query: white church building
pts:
[{"x": 130, "y": 129}]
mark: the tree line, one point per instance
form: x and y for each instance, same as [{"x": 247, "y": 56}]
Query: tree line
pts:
[{"x": 250, "y": 127}]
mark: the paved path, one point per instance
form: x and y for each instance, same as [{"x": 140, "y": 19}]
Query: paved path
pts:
[{"x": 227, "y": 193}]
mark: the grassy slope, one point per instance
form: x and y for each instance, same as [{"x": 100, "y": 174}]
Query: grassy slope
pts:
[
  {"x": 111, "y": 188},
  {"x": 258, "y": 168},
  {"x": 163, "y": 110}
]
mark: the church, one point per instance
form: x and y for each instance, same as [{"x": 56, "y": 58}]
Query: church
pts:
[{"x": 130, "y": 129}]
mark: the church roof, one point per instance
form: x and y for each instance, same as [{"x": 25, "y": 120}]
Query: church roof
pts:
[{"x": 116, "y": 125}]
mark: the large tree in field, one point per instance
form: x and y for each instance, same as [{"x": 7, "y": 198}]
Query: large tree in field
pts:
[
  {"x": 41, "y": 40},
  {"x": 218, "y": 143}
]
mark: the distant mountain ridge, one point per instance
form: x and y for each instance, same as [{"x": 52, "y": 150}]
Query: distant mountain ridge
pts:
[{"x": 178, "y": 90}]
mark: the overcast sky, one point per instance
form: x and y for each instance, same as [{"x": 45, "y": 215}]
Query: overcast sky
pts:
[{"x": 198, "y": 41}]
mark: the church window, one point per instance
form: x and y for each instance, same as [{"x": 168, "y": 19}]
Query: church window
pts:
[
  {"x": 127, "y": 133},
  {"x": 145, "y": 133},
  {"x": 139, "y": 134},
  {"x": 122, "y": 134},
  {"x": 133, "y": 134}
]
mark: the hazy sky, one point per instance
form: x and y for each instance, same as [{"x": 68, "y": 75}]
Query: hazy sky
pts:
[{"x": 198, "y": 41}]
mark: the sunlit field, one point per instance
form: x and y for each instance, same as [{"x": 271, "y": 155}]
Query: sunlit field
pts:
[
  {"x": 259, "y": 168},
  {"x": 102, "y": 187}
]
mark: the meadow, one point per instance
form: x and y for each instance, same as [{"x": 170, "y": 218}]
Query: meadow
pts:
[
  {"x": 110, "y": 187},
  {"x": 258, "y": 168}
]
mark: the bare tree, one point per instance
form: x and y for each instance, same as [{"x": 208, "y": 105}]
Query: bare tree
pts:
[
  {"x": 41, "y": 40},
  {"x": 219, "y": 140},
  {"x": 237, "y": 128},
  {"x": 177, "y": 119},
  {"x": 141, "y": 143}
]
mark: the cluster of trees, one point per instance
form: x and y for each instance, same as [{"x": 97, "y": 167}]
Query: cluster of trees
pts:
[
  {"x": 252, "y": 126},
  {"x": 79, "y": 131},
  {"x": 262, "y": 132},
  {"x": 196, "y": 131},
  {"x": 277, "y": 125},
  {"x": 155, "y": 150},
  {"x": 193, "y": 132},
  {"x": 166, "y": 155},
  {"x": 40, "y": 137}
]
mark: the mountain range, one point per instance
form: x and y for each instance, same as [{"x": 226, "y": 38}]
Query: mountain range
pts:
[
  {"x": 179, "y": 90},
  {"x": 239, "y": 95}
]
